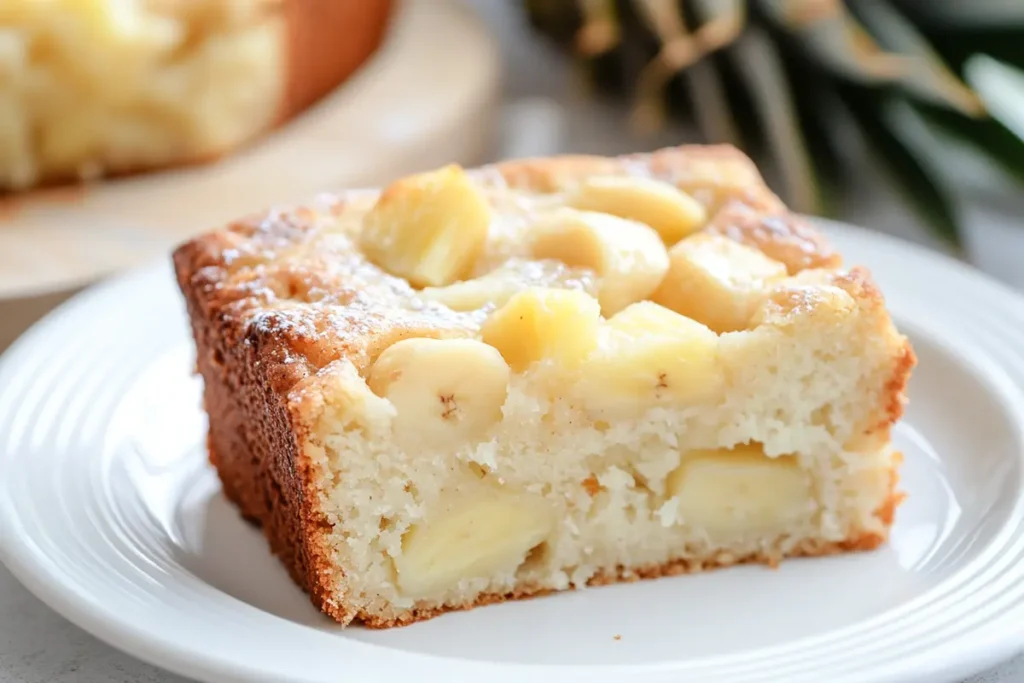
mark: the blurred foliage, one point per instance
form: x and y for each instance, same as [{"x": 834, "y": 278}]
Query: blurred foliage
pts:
[{"x": 793, "y": 81}]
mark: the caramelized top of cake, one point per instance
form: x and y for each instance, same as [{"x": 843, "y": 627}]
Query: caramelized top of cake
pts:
[{"x": 587, "y": 241}]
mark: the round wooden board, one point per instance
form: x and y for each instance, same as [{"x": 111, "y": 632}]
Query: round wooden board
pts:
[{"x": 429, "y": 96}]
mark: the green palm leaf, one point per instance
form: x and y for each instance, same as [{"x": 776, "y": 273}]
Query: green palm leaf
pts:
[
  {"x": 987, "y": 136},
  {"x": 789, "y": 80},
  {"x": 905, "y": 166}
]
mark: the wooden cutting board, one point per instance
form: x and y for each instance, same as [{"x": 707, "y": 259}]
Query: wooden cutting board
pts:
[{"x": 429, "y": 96}]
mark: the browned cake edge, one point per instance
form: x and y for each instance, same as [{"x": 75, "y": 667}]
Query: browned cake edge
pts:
[{"x": 255, "y": 435}]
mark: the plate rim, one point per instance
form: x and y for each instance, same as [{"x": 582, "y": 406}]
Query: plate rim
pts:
[{"x": 32, "y": 568}]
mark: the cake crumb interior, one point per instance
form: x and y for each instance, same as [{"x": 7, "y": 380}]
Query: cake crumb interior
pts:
[{"x": 549, "y": 374}]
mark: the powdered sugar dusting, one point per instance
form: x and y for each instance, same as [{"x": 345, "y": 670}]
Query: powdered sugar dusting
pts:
[{"x": 295, "y": 276}]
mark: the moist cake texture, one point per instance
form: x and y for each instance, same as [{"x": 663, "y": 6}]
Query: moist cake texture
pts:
[
  {"x": 541, "y": 375},
  {"x": 92, "y": 88}
]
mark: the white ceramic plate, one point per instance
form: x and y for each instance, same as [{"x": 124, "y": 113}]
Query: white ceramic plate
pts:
[{"x": 111, "y": 515}]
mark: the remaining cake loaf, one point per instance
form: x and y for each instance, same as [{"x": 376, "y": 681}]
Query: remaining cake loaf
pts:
[
  {"x": 541, "y": 375},
  {"x": 98, "y": 87}
]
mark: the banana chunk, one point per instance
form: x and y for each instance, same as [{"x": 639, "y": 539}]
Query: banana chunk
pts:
[
  {"x": 717, "y": 281},
  {"x": 539, "y": 324},
  {"x": 649, "y": 355},
  {"x": 428, "y": 228},
  {"x": 664, "y": 207},
  {"x": 498, "y": 286},
  {"x": 445, "y": 391},
  {"x": 629, "y": 257},
  {"x": 732, "y": 491},
  {"x": 479, "y": 534}
]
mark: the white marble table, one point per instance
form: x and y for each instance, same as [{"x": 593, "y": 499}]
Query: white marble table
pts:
[{"x": 38, "y": 646}]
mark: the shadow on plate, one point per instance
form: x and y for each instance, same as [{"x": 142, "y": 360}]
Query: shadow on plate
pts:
[{"x": 232, "y": 555}]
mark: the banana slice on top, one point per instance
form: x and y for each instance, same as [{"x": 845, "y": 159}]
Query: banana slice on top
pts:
[{"x": 445, "y": 391}]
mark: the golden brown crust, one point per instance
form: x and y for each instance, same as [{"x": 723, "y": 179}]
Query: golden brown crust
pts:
[
  {"x": 244, "y": 269},
  {"x": 887, "y": 512},
  {"x": 861, "y": 286},
  {"x": 779, "y": 234},
  {"x": 253, "y": 441},
  {"x": 260, "y": 343},
  {"x": 713, "y": 174},
  {"x": 247, "y": 268},
  {"x": 895, "y": 388}
]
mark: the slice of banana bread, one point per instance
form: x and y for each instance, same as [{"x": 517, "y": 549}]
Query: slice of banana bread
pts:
[{"x": 541, "y": 375}]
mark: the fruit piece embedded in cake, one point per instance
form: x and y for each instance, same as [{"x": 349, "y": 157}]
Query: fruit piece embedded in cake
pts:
[
  {"x": 542, "y": 375},
  {"x": 100, "y": 87}
]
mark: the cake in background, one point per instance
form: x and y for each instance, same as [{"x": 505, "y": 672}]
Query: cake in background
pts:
[{"x": 95, "y": 88}]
